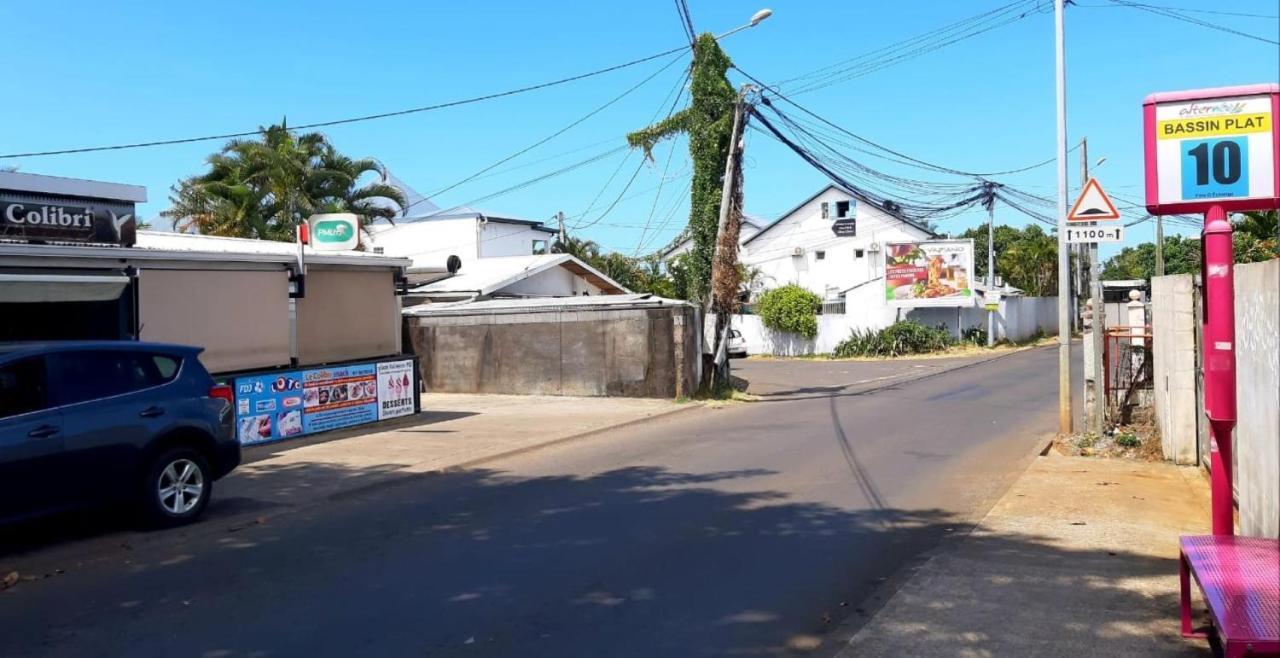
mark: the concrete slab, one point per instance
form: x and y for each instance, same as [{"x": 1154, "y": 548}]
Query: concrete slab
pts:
[{"x": 1078, "y": 558}]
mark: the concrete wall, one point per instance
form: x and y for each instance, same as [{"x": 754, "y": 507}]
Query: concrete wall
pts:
[
  {"x": 1257, "y": 444},
  {"x": 840, "y": 268},
  {"x": 630, "y": 353},
  {"x": 1173, "y": 320},
  {"x": 1018, "y": 319}
]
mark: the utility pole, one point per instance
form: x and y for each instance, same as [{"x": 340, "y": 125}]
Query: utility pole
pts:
[
  {"x": 560, "y": 221},
  {"x": 723, "y": 295},
  {"x": 1064, "y": 274},
  {"x": 1089, "y": 252},
  {"x": 1159, "y": 245},
  {"x": 991, "y": 259}
]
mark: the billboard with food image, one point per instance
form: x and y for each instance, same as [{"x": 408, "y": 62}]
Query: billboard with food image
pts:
[{"x": 929, "y": 273}]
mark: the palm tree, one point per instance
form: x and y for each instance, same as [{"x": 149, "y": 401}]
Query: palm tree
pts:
[
  {"x": 580, "y": 248},
  {"x": 262, "y": 188}
]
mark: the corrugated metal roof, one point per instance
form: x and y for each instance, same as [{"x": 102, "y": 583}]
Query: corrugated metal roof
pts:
[
  {"x": 485, "y": 276},
  {"x": 543, "y": 304}
]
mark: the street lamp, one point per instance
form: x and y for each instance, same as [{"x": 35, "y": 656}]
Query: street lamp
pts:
[{"x": 756, "y": 19}]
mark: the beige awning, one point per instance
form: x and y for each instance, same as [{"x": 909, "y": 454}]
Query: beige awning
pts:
[{"x": 27, "y": 288}]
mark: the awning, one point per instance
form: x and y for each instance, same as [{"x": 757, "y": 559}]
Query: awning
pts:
[{"x": 19, "y": 288}]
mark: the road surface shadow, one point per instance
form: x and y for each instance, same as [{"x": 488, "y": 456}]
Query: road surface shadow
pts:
[{"x": 633, "y": 561}]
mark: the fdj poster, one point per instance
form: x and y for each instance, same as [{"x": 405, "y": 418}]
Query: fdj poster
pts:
[
  {"x": 339, "y": 397},
  {"x": 269, "y": 407},
  {"x": 396, "y": 391},
  {"x": 929, "y": 273}
]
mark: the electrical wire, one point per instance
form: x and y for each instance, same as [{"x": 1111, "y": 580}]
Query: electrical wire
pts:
[
  {"x": 1218, "y": 12},
  {"x": 1168, "y": 13},
  {"x": 367, "y": 117},
  {"x": 553, "y": 135}
]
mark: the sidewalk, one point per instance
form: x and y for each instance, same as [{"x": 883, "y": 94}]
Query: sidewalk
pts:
[
  {"x": 1079, "y": 558},
  {"x": 453, "y": 431}
]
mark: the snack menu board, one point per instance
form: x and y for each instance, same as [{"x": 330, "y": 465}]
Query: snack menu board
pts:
[
  {"x": 339, "y": 397},
  {"x": 280, "y": 405}
]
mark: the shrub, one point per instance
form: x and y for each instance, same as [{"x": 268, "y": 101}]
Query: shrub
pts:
[
  {"x": 790, "y": 308},
  {"x": 1128, "y": 440},
  {"x": 899, "y": 338},
  {"x": 974, "y": 335}
]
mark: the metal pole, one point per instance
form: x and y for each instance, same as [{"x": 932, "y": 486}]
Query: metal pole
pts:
[
  {"x": 1064, "y": 274},
  {"x": 1219, "y": 362},
  {"x": 1081, "y": 250},
  {"x": 991, "y": 265},
  {"x": 1159, "y": 245}
]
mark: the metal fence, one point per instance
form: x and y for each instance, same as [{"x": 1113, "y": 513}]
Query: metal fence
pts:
[{"x": 1127, "y": 370}]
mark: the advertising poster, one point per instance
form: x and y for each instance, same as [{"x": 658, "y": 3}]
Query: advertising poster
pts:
[
  {"x": 929, "y": 273},
  {"x": 281, "y": 405},
  {"x": 396, "y": 391},
  {"x": 268, "y": 407},
  {"x": 339, "y": 397}
]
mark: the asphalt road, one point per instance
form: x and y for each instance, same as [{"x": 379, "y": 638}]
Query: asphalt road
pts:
[{"x": 754, "y": 529}]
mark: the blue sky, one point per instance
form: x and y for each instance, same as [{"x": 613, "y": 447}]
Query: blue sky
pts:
[{"x": 112, "y": 73}]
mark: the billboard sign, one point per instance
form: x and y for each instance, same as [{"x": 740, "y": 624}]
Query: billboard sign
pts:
[
  {"x": 334, "y": 232},
  {"x": 1212, "y": 147},
  {"x": 929, "y": 273},
  {"x": 285, "y": 404},
  {"x": 43, "y": 218}
]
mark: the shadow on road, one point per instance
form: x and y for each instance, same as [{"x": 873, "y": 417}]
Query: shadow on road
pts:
[{"x": 635, "y": 561}]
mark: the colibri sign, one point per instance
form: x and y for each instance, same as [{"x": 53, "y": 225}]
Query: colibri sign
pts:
[{"x": 41, "y": 218}]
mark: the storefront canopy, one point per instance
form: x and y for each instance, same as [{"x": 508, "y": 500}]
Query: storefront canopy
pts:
[{"x": 28, "y": 288}]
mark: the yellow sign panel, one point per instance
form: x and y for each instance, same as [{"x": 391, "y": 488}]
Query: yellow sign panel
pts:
[{"x": 1214, "y": 126}]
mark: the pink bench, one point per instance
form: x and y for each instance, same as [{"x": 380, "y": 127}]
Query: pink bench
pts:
[{"x": 1240, "y": 580}]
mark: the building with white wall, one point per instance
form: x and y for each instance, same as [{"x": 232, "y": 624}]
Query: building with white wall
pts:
[
  {"x": 467, "y": 234},
  {"x": 802, "y": 247},
  {"x": 513, "y": 277},
  {"x": 751, "y": 225}
]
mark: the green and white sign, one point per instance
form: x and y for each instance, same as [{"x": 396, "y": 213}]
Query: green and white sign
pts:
[{"x": 334, "y": 232}]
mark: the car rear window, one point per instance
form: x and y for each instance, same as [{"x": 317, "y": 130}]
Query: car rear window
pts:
[
  {"x": 91, "y": 375},
  {"x": 22, "y": 387}
]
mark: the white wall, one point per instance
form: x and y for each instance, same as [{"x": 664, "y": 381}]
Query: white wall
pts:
[
  {"x": 839, "y": 270},
  {"x": 1018, "y": 319},
  {"x": 1257, "y": 445},
  {"x": 554, "y": 282},
  {"x": 431, "y": 239},
  {"x": 500, "y": 239},
  {"x": 1173, "y": 341}
]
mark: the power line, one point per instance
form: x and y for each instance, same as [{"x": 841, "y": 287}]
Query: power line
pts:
[
  {"x": 553, "y": 135},
  {"x": 1168, "y": 13},
  {"x": 1218, "y": 12},
  {"x": 367, "y": 117}
]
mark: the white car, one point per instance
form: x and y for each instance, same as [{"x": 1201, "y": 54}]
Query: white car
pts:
[{"x": 737, "y": 345}]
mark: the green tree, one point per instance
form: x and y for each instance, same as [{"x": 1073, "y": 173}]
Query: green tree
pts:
[
  {"x": 708, "y": 122},
  {"x": 1026, "y": 258},
  {"x": 262, "y": 188},
  {"x": 790, "y": 309},
  {"x": 580, "y": 248}
]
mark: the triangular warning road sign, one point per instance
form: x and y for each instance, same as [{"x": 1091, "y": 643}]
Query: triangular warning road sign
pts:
[{"x": 1093, "y": 205}]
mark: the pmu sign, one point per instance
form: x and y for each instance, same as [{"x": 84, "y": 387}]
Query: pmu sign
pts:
[{"x": 1212, "y": 147}]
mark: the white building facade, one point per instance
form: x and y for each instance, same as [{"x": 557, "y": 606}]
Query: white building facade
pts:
[
  {"x": 467, "y": 235},
  {"x": 802, "y": 246}
]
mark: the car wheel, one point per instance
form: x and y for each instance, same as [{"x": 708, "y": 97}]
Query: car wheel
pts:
[{"x": 177, "y": 487}]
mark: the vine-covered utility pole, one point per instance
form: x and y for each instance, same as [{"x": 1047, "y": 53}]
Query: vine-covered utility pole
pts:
[
  {"x": 725, "y": 274},
  {"x": 708, "y": 122}
]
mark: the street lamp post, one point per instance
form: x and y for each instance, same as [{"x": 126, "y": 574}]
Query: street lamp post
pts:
[{"x": 756, "y": 19}]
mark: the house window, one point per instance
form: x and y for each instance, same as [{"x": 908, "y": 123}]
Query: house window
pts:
[
  {"x": 826, "y": 210},
  {"x": 858, "y": 253},
  {"x": 539, "y": 247},
  {"x": 819, "y": 255},
  {"x": 845, "y": 209}
]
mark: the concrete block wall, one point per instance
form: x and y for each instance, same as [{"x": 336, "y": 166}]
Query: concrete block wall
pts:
[
  {"x": 628, "y": 353},
  {"x": 1173, "y": 319},
  {"x": 1257, "y": 439}
]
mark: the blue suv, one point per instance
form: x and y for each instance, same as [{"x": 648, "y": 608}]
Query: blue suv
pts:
[{"x": 85, "y": 423}]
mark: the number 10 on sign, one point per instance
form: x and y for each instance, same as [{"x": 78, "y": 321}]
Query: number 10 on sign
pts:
[{"x": 1213, "y": 168}]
